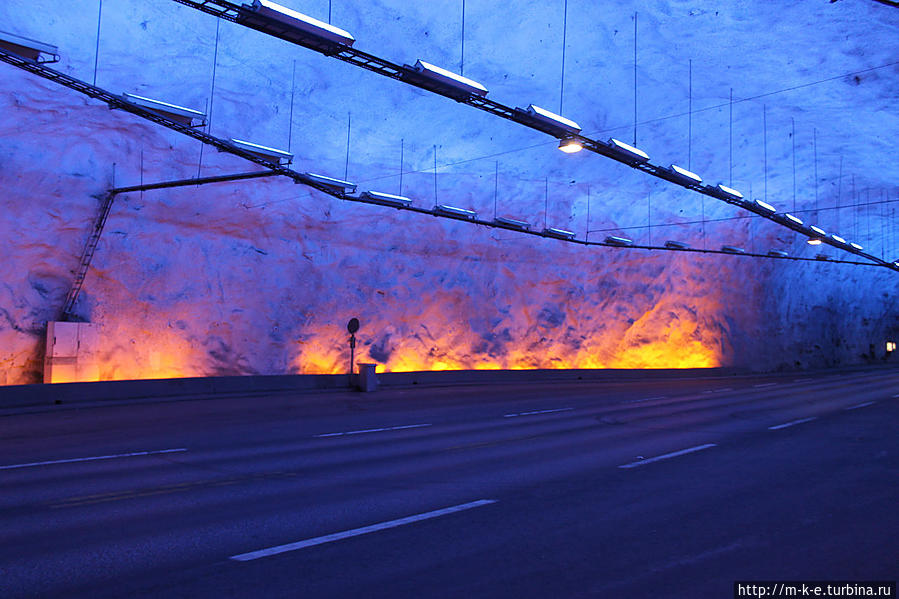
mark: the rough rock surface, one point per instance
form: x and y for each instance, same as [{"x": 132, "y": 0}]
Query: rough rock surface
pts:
[{"x": 261, "y": 276}]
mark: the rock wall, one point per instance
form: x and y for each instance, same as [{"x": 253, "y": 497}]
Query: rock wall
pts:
[{"x": 260, "y": 276}]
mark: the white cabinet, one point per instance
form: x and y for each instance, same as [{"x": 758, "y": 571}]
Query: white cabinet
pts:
[{"x": 71, "y": 352}]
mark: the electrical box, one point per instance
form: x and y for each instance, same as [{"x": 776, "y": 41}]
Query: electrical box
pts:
[{"x": 71, "y": 353}]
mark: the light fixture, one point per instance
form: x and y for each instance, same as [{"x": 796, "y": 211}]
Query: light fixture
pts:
[
  {"x": 822, "y": 257},
  {"x": 856, "y": 246},
  {"x": 455, "y": 211},
  {"x": 814, "y": 241},
  {"x": 272, "y": 154},
  {"x": 628, "y": 152},
  {"x": 676, "y": 245},
  {"x": 511, "y": 222},
  {"x": 837, "y": 238},
  {"x": 891, "y": 346},
  {"x": 386, "y": 199},
  {"x": 765, "y": 206},
  {"x": 792, "y": 218},
  {"x": 778, "y": 254},
  {"x": 732, "y": 249},
  {"x": 570, "y": 145},
  {"x": 551, "y": 118},
  {"x": 179, "y": 114},
  {"x": 302, "y": 24},
  {"x": 331, "y": 182},
  {"x": 619, "y": 241},
  {"x": 448, "y": 78},
  {"x": 685, "y": 176},
  {"x": 818, "y": 230},
  {"x": 28, "y": 48},
  {"x": 730, "y": 192},
  {"x": 560, "y": 233}
]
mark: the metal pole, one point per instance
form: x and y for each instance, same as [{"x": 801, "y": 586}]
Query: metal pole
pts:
[
  {"x": 435, "y": 174},
  {"x": 97, "y": 49},
  {"x": 293, "y": 92},
  {"x": 495, "y": 185},
  {"x": 545, "y": 202},
  {"x": 402, "y": 149},
  {"x": 690, "y": 120},
  {"x": 352, "y": 355},
  {"x": 462, "y": 62},
  {"x": 215, "y": 57},
  {"x": 731, "y": 138},
  {"x": 635, "y": 78},
  {"x": 587, "y": 236},
  {"x": 839, "y": 191},
  {"x": 564, "y": 43},
  {"x": 765, "y": 145},
  {"x": 349, "y": 124},
  {"x": 793, "y": 137},
  {"x": 815, "y": 142}
]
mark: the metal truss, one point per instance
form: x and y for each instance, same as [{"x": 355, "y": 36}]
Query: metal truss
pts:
[
  {"x": 277, "y": 169},
  {"x": 243, "y": 15}
]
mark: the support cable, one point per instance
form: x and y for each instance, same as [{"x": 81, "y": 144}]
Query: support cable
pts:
[
  {"x": 243, "y": 15},
  {"x": 274, "y": 168}
]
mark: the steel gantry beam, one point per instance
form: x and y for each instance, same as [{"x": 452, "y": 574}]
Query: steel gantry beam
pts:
[
  {"x": 246, "y": 15},
  {"x": 328, "y": 186}
]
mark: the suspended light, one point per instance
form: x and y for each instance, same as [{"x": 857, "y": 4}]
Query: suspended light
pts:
[
  {"x": 303, "y": 25},
  {"x": 449, "y": 79},
  {"x": 511, "y": 222},
  {"x": 856, "y": 246},
  {"x": 571, "y": 145},
  {"x": 455, "y": 211},
  {"x": 676, "y": 245},
  {"x": 619, "y": 241},
  {"x": 335, "y": 184},
  {"x": 28, "y": 48},
  {"x": 765, "y": 206},
  {"x": 386, "y": 199},
  {"x": 560, "y": 233},
  {"x": 822, "y": 257},
  {"x": 732, "y": 249},
  {"x": 729, "y": 191},
  {"x": 628, "y": 152},
  {"x": 179, "y": 114},
  {"x": 551, "y": 118},
  {"x": 815, "y": 241},
  {"x": 273, "y": 154},
  {"x": 795, "y": 219},
  {"x": 682, "y": 174},
  {"x": 838, "y": 239},
  {"x": 778, "y": 254},
  {"x": 818, "y": 230}
]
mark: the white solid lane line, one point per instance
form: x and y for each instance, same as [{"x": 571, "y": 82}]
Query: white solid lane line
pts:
[
  {"x": 793, "y": 423},
  {"x": 646, "y": 399},
  {"x": 666, "y": 456},
  {"x": 537, "y": 412},
  {"x": 91, "y": 459},
  {"x": 373, "y": 430},
  {"x": 861, "y": 405},
  {"x": 355, "y": 532},
  {"x": 760, "y": 385}
]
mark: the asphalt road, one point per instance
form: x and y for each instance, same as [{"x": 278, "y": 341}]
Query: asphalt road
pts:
[{"x": 640, "y": 489}]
